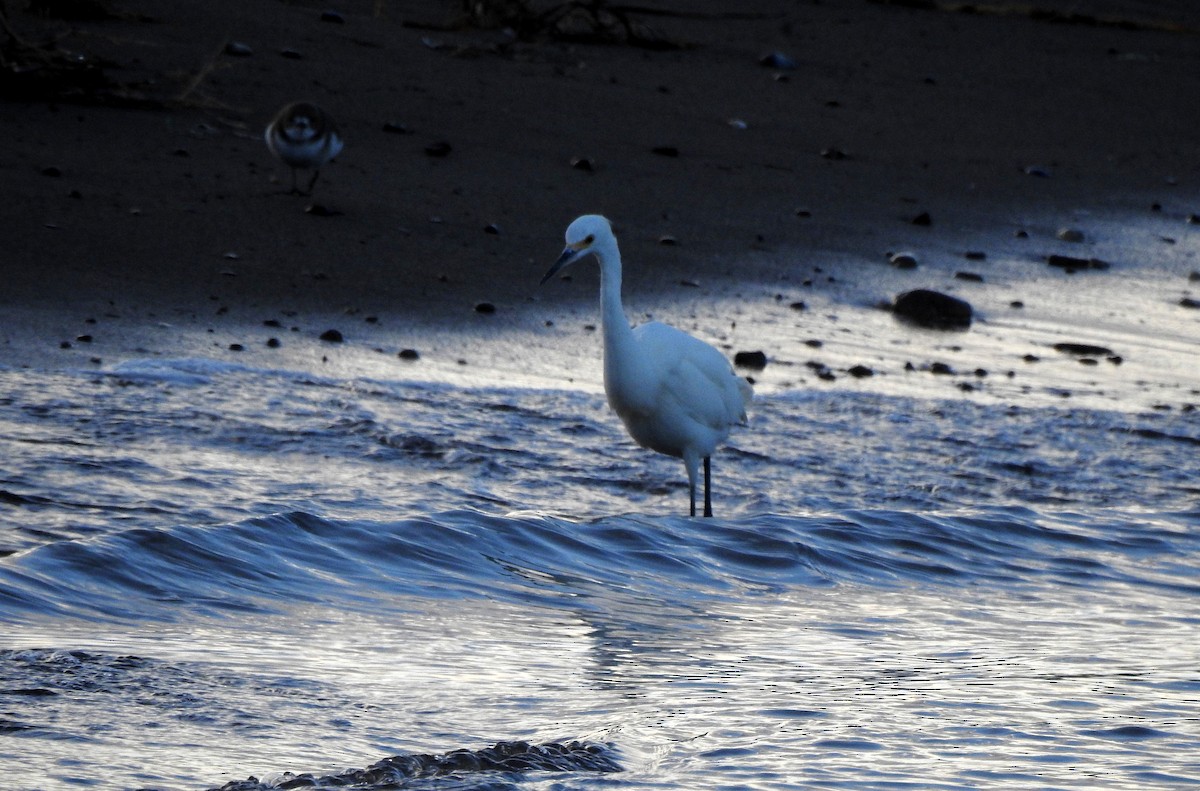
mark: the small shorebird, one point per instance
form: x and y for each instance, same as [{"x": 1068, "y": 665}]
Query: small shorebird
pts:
[
  {"x": 303, "y": 137},
  {"x": 675, "y": 394}
]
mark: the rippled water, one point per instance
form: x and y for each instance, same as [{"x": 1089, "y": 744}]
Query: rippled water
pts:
[{"x": 213, "y": 572}]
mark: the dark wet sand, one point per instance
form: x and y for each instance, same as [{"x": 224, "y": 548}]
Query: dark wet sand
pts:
[{"x": 139, "y": 227}]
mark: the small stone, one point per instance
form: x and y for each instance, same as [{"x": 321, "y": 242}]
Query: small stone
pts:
[
  {"x": 666, "y": 151},
  {"x": 1188, "y": 302},
  {"x": 321, "y": 210},
  {"x": 668, "y": 240},
  {"x": 408, "y": 354},
  {"x": 1193, "y": 219},
  {"x": 1070, "y": 235},
  {"x": 64, "y": 345},
  {"x": 969, "y": 276},
  {"x": 485, "y": 307},
  {"x": 586, "y": 164},
  {"x": 273, "y": 343},
  {"x": 804, "y": 213},
  {"x": 1073, "y": 264},
  {"x": 860, "y": 372},
  {"x": 798, "y": 306},
  {"x": 52, "y": 172},
  {"x": 778, "y": 60},
  {"x": 975, "y": 255},
  {"x": 903, "y": 260},
  {"x": 238, "y": 49},
  {"x": 1194, "y": 277},
  {"x": 492, "y": 228},
  {"x": 394, "y": 128},
  {"x": 923, "y": 219},
  {"x": 236, "y": 347},
  {"x": 835, "y": 154},
  {"x": 1037, "y": 171},
  {"x": 933, "y": 309},
  {"x": 941, "y": 369},
  {"x": 332, "y": 16},
  {"x": 1082, "y": 349},
  {"x": 813, "y": 343},
  {"x": 291, "y": 54},
  {"x": 332, "y": 336},
  {"x": 756, "y": 360},
  {"x": 84, "y": 338},
  {"x": 1016, "y": 304}
]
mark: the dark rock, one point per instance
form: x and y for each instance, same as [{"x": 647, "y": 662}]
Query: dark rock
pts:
[
  {"x": 291, "y": 54},
  {"x": 1188, "y": 302},
  {"x": 798, "y": 306},
  {"x": 52, "y": 172},
  {"x": 273, "y": 343},
  {"x": 238, "y": 49},
  {"x": 1070, "y": 235},
  {"x": 969, "y": 276},
  {"x": 754, "y": 360},
  {"x": 666, "y": 151},
  {"x": 84, "y": 338},
  {"x": 778, "y": 60},
  {"x": 333, "y": 16},
  {"x": 903, "y": 260},
  {"x": 492, "y": 229},
  {"x": 408, "y": 354},
  {"x": 586, "y": 164},
  {"x": 860, "y": 372},
  {"x": 393, "y": 128},
  {"x": 975, "y": 255},
  {"x": 813, "y": 343},
  {"x": 321, "y": 210},
  {"x": 923, "y": 219},
  {"x": 836, "y": 154},
  {"x": 485, "y": 307},
  {"x": 1082, "y": 349},
  {"x": 933, "y": 309},
  {"x": 438, "y": 149},
  {"x": 668, "y": 239},
  {"x": 332, "y": 336},
  {"x": 236, "y": 347},
  {"x": 941, "y": 369},
  {"x": 1016, "y": 304},
  {"x": 1072, "y": 264}
]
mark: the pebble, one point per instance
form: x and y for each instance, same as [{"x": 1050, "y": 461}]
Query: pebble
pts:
[
  {"x": 492, "y": 228},
  {"x": 972, "y": 277},
  {"x": 668, "y": 239},
  {"x": 238, "y": 49},
  {"x": 586, "y": 164},
  {"x": 330, "y": 15},
  {"x": 273, "y": 343},
  {"x": 755, "y": 360},
  {"x": 439, "y": 149},
  {"x": 778, "y": 60},
  {"x": 860, "y": 372},
  {"x": 665, "y": 151},
  {"x": 923, "y": 219},
  {"x": 321, "y": 210},
  {"x": 332, "y": 336},
  {"x": 1083, "y": 349},
  {"x": 903, "y": 260},
  {"x": 291, "y": 54},
  {"x": 933, "y": 309},
  {"x": 408, "y": 354},
  {"x": 798, "y": 306},
  {"x": 1072, "y": 264},
  {"x": 1188, "y": 302},
  {"x": 1070, "y": 234},
  {"x": 394, "y": 128},
  {"x": 485, "y": 307}
]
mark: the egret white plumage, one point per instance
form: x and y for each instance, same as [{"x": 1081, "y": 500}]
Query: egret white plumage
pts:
[{"x": 675, "y": 393}]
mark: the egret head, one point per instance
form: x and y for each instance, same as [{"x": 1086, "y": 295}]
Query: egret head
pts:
[{"x": 584, "y": 235}]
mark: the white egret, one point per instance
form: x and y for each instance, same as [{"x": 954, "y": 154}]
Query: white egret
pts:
[{"x": 675, "y": 393}]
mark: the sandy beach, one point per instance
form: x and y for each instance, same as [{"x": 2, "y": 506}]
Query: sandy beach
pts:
[{"x": 756, "y": 202}]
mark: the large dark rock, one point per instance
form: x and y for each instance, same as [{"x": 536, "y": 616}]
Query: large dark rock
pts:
[{"x": 933, "y": 309}]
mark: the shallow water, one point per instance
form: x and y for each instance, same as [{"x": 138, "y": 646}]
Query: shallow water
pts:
[{"x": 216, "y": 571}]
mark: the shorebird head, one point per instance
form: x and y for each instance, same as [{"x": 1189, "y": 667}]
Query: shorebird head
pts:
[
  {"x": 302, "y": 121},
  {"x": 584, "y": 236}
]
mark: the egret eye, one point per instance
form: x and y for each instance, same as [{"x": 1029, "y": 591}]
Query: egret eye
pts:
[{"x": 590, "y": 238}]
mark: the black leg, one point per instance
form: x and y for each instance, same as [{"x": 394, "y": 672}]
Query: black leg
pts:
[
  {"x": 692, "y": 491},
  {"x": 313, "y": 183},
  {"x": 707, "y": 488}
]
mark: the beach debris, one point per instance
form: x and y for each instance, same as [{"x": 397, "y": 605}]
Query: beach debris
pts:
[
  {"x": 924, "y": 219},
  {"x": 486, "y": 308},
  {"x": 756, "y": 360},
  {"x": 972, "y": 277},
  {"x": 1070, "y": 234},
  {"x": 408, "y": 354},
  {"x": 1073, "y": 264},
  {"x": 332, "y": 336},
  {"x": 778, "y": 60},
  {"x": 586, "y": 164},
  {"x": 238, "y": 49},
  {"x": 438, "y": 149},
  {"x": 933, "y": 309},
  {"x": 902, "y": 260}
]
